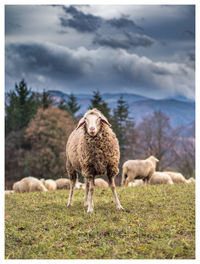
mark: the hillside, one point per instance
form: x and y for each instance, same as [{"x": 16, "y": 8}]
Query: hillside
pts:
[
  {"x": 158, "y": 223},
  {"x": 181, "y": 111}
]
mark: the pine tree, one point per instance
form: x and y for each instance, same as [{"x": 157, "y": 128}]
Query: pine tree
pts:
[
  {"x": 100, "y": 104},
  {"x": 120, "y": 118},
  {"x": 72, "y": 104},
  {"x": 20, "y": 107},
  {"x": 46, "y": 100},
  {"x": 124, "y": 128}
]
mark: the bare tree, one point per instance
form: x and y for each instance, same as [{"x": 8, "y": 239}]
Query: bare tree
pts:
[
  {"x": 156, "y": 137},
  {"x": 185, "y": 157}
]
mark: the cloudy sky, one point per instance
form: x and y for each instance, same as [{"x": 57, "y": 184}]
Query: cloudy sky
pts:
[{"x": 144, "y": 49}]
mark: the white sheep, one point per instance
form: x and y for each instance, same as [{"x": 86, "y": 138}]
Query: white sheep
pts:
[
  {"x": 49, "y": 184},
  {"x": 176, "y": 177},
  {"x": 136, "y": 183},
  {"x": 160, "y": 178},
  {"x": 29, "y": 184},
  {"x": 92, "y": 150},
  {"x": 191, "y": 180},
  {"x": 63, "y": 183},
  {"x": 101, "y": 183},
  {"x": 80, "y": 185},
  {"x": 138, "y": 169}
]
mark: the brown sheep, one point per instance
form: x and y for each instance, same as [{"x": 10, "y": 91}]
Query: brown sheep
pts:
[{"x": 93, "y": 150}]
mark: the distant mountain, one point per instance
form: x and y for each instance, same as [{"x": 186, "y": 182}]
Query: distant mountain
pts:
[{"x": 180, "y": 110}]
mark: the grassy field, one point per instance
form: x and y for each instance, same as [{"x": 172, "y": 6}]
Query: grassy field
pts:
[{"x": 158, "y": 222}]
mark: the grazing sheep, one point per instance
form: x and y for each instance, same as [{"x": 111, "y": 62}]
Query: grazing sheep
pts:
[
  {"x": 136, "y": 183},
  {"x": 100, "y": 183},
  {"x": 140, "y": 169},
  {"x": 29, "y": 184},
  {"x": 49, "y": 184},
  {"x": 191, "y": 180},
  {"x": 93, "y": 150},
  {"x": 176, "y": 177},
  {"x": 160, "y": 178},
  {"x": 63, "y": 183}
]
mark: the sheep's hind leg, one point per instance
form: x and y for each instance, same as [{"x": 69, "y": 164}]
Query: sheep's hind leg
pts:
[
  {"x": 112, "y": 186},
  {"x": 86, "y": 192},
  {"x": 91, "y": 192},
  {"x": 72, "y": 185}
]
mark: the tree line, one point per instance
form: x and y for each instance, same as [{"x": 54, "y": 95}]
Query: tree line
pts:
[{"x": 37, "y": 128}]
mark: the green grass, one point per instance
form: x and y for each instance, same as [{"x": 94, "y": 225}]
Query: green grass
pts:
[{"x": 158, "y": 222}]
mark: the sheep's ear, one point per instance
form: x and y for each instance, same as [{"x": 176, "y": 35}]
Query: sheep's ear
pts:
[
  {"x": 81, "y": 123},
  {"x": 105, "y": 121}
]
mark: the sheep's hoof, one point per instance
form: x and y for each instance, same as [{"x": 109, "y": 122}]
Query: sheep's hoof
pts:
[
  {"x": 119, "y": 207},
  {"x": 69, "y": 205},
  {"x": 90, "y": 210}
]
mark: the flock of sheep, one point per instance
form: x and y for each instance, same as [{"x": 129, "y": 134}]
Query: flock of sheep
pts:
[
  {"x": 93, "y": 150},
  {"x": 145, "y": 170},
  {"x": 32, "y": 184}
]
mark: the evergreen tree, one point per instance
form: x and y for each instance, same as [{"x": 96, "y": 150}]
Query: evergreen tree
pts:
[
  {"x": 69, "y": 105},
  {"x": 72, "y": 104},
  {"x": 100, "y": 104},
  {"x": 120, "y": 118},
  {"x": 124, "y": 128},
  {"x": 20, "y": 107},
  {"x": 46, "y": 100}
]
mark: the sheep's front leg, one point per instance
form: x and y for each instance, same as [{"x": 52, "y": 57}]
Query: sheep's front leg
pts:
[
  {"x": 86, "y": 192},
  {"x": 91, "y": 192},
  {"x": 112, "y": 186}
]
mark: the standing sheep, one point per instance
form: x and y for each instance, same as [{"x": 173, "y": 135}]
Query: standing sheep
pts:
[
  {"x": 92, "y": 149},
  {"x": 101, "y": 183},
  {"x": 141, "y": 169},
  {"x": 176, "y": 177},
  {"x": 62, "y": 183},
  {"x": 160, "y": 178},
  {"x": 29, "y": 184}
]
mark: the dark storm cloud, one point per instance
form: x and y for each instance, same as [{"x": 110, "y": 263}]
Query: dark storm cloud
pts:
[
  {"x": 123, "y": 23},
  {"x": 125, "y": 41},
  {"x": 171, "y": 23},
  {"x": 80, "y": 21},
  {"x": 45, "y": 59},
  {"x": 49, "y": 65},
  {"x": 90, "y": 23},
  {"x": 113, "y": 55}
]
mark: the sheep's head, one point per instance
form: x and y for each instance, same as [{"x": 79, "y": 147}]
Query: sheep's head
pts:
[
  {"x": 153, "y": 158},
  {"x": 92, "y": 120}
]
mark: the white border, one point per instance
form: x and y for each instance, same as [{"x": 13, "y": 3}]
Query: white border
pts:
[{"x": 99, "y": 2}]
